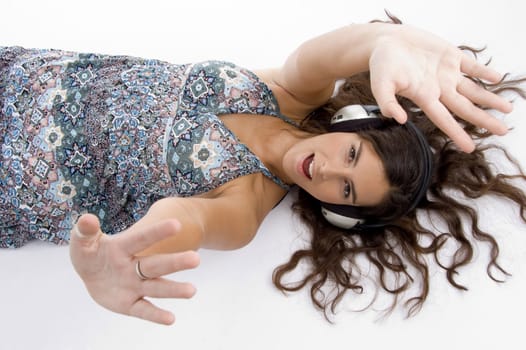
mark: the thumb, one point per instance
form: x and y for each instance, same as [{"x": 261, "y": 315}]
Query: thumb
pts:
[
  {"x": 384, "y": 93},
  {"x": 87, "y": 230},
  {"x": 393, "y": 110}
]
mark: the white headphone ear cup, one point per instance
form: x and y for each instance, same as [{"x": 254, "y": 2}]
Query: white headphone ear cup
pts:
[
  {"x": 349, "y": 112},
  {"x": 338, "y": 220}
]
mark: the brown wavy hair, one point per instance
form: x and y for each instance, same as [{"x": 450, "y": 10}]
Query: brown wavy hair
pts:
[{"x": 398, "y": 252}]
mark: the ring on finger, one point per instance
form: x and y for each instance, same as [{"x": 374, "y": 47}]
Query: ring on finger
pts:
[{"x": 140, "y": 274}]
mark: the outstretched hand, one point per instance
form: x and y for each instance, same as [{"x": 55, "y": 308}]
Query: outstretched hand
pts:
[
  {"x": 434, "y": 75},
  {"x": 107, "y": 265}
]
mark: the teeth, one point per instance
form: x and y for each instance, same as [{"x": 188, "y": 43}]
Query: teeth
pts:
[{"x": 311, "y": 166}]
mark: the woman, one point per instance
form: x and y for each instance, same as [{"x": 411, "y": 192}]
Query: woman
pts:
[{"x": 222, "y": 215}]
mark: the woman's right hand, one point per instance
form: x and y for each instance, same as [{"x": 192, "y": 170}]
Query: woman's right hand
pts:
[{"x": 108, "y": 267}]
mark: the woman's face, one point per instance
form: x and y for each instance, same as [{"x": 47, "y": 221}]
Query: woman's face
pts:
[{"x": 337, "y": 168}]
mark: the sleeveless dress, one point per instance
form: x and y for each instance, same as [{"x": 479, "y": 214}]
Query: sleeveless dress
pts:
[{"x": 110, "y": 135}]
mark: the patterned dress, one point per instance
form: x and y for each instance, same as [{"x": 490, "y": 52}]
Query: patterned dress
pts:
[{"x": 110, "y": 135}]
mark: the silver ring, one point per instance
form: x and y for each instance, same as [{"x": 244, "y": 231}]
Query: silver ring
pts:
[{"x": 141, "y": 275}]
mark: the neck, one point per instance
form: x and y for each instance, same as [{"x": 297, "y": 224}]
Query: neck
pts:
[{"x": 274, "y": 143}]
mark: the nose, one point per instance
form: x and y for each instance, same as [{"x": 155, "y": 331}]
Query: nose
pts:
[{"x": 329, "y": 171}]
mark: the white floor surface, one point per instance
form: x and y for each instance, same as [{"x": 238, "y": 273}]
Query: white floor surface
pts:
[{"x": 43, "y": 304}]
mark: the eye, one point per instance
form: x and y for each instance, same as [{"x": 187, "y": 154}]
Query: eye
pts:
[
  {"x": 346, "y": 189},
  {"x": 352, "y": 154}
]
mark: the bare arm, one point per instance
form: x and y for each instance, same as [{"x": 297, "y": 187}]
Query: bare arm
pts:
[
  {"x": 162, "y": 241},
  {"x": 229, "y": 221},
  {"x": 311, "y": 70}
]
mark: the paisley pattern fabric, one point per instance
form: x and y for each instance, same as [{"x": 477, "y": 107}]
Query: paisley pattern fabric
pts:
[{"x": 111, "y": 135}]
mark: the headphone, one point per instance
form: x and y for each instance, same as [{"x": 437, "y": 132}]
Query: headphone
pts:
[{"x": 354, "y": 118}]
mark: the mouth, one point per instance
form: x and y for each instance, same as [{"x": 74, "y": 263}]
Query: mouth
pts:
[{"x": 308, "y": 166}]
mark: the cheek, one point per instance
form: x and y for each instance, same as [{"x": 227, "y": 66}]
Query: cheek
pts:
[{"x": 326, "y": 192}]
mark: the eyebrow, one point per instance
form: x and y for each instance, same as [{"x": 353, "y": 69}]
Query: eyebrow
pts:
[{"x": 354, "y": 163}]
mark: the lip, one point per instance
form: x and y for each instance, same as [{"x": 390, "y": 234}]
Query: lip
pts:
[{"x": 304, "y": 166}]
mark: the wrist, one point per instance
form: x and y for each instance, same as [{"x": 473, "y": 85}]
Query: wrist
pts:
[
  {"x": 366, "y": 38},
  {"x": 348, "y": 49}
]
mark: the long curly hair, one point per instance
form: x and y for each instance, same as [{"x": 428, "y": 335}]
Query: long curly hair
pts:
[{"x": 398, "y": 253}]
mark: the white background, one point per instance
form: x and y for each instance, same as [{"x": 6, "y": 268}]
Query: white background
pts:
[{"x": 43, "y": 304}]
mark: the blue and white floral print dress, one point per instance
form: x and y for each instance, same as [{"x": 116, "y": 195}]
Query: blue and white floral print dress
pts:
[{"x": 111, "y": 135}]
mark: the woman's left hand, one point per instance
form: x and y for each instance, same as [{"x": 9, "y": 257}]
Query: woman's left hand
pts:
[{"x": 434, "y": 74}]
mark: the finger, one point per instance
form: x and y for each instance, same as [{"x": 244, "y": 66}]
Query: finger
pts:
[
  {"x": 483, "y": 97},
  {"x": 165, "y": 288},
  {"x": 145, "y": 310},
  {"x": 86, "y": 231},
  {"x": 163, "y": 264},
  {"x": 472, "y": 67},
  {"x": 135, "y": 240},
  {"x": 384, "y": 93},
  {"x": 466, "y": 110},
  {"x": 441, "y": 117}
]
